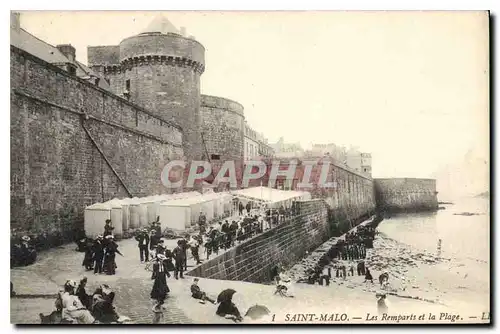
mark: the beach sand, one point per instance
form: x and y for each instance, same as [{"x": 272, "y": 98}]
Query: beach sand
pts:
[{"x": 461, "y": 285}]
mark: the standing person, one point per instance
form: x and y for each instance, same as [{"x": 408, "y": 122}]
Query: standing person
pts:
[
  {"x": 143, "y": 243},
  {"x": 248, "y": 207},
  {"x": 368, "y": 275},
  {"x": 241, "y": 208},
  {"x": 179, "y": 257},
  {"x": 202, "y": 222},
  {"x": 208, "y": 247},
  {"x": 109, "y": 255},
  {"x": 88, "y": 259},
  {"x": 195, "y": 246},
  {"x": 233, "y": 229},
  {"x": 183, "y": 243},
  {"x": 98, "y": 250},
  {"x": 157, "y": 228},
  {"x": 160, "y": 288},
  {"x": 108, "y": 229},
  {"x": 153, "y": 241},
  {"x": 361, "y": 268}
]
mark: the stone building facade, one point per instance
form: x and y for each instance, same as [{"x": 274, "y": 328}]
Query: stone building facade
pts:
[{"x": 85, "y": 134}]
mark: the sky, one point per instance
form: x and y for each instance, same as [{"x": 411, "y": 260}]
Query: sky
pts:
[{"x": 409, "y": 87}]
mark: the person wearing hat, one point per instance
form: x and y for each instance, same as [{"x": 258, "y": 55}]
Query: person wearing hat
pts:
[
  {"x": 194, "y": 244},
  {"x": 153, "y": 240},
  {"x": 110, "y": 251},
  {"x": 88, "y": 259},
  {"x": 202, "y": 222},
  {"x": 71, "y": 306},
  {"x": 27, "y": 251},
  {"x": 160, "y": 288},
  {"x": 143, "y": 243},
  {"x": 103, "y": 308},
  {"x": 160, "y": 248},
  {"x": 98, "y": 250},
  {"x": 179, "y": 257},
  {"x": 108, "y": 229},
  {"x": 82, "y": 294},
  {"x": 196, "y": 292}
]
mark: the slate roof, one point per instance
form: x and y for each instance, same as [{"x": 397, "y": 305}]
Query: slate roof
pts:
[{"x": 51, "y": 54}]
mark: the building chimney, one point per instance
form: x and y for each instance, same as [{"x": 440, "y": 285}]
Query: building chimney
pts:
[
  {"x": 15, "y": 21},
  {"x": 68, "y": 51},
  {"x": 183, "y": 31}
]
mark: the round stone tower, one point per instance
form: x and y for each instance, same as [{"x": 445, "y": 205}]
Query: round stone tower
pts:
[{"x": 162, "y": 73}]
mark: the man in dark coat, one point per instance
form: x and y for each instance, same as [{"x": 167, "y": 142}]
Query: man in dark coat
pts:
[
  {"x": 202, "y": 222},
  {"x": 98, "y": 250},
  {"x": 179, "y": 257},
  {"x": 248, "y": 207},
  {"x": 183, "y": 243},
  {"x": 194, "y": 244},
  {"x": 241, "y": 208},
  {"x": 361, "y": 268},
  {"x": 156, "y": 226},
  {"x": 143, "y": 243},
  {"x": 153, "y": 240},
  {"x": 88, "y": 259},
  {"x": 233, "y": 228},
  {"x": 108, "y": 229}
]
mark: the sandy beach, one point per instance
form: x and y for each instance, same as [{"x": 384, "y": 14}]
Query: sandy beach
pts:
[{"x": 461, "y": 284}]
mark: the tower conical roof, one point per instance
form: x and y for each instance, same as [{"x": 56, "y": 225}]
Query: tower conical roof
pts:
[{"x": 161, "y": 24}]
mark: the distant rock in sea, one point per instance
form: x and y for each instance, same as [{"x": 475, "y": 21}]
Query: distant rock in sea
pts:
[
  {"x": 484, "y": 194},
  {"x": 466, "y": 214}
]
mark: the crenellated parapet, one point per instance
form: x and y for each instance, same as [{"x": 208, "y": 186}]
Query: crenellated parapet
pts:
[{"x": 129, "y": 63}]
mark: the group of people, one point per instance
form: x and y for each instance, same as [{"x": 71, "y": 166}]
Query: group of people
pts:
[
  {"x": 251, "y": 222},
  {"x": 23, "y": 253},
  {"x": 74, "y": 306},
  {"x": 100, "y": 253}
]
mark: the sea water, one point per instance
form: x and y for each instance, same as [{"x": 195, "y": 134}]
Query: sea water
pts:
[
  {"x": 462, "y": 237},
  {"x": 463, "y": 243}
]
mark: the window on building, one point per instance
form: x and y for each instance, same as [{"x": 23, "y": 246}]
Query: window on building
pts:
[
  {"x": 127, "y": 85},
  {"x": 215, "y": 156},
  {"x": 71, "y": 70}
]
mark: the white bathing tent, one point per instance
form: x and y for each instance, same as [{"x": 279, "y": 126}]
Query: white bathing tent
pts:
[
  {"x": 135, "y": 212},
  {"x": 272, "y": 197},
  {"x": 116, "y": 208},
  {"x": 179, "y": 214},
  {"x": 94, "y": 219},
  {"x": 222, "y": 203}
]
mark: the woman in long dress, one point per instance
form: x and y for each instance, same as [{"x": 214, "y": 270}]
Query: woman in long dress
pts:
[{"x": 160, "y": 287}]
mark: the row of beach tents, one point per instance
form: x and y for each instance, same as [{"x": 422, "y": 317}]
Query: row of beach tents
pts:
[
  {"x": 176, "y": 211},
  {"x": 180, "y": 211}
]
